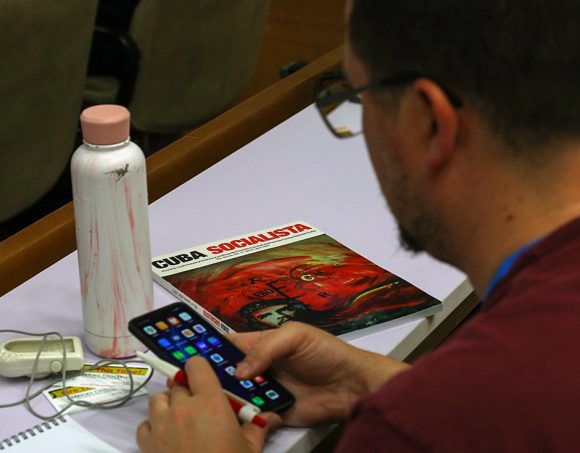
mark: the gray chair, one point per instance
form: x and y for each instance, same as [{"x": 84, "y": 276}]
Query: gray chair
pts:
[
  {"x": 195, "y": 59},
  {"x": 44, "y": 48}
]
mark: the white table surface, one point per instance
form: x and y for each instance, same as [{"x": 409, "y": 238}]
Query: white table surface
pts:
[{"x": 297, "y": 171}]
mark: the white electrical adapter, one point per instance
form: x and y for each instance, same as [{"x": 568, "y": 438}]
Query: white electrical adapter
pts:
[{"x": 17, "y": 356}]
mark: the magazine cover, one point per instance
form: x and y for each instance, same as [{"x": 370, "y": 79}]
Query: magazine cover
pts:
[{"x": 294, "y": 272}]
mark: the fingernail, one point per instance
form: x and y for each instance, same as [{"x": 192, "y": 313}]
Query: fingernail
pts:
[{"x": 243, "y": 369}]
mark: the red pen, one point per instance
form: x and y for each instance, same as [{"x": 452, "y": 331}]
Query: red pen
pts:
[{"x": 244, "y": 410}]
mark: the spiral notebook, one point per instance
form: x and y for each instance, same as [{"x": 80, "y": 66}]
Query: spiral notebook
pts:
[{"x": 55, "y": 436}]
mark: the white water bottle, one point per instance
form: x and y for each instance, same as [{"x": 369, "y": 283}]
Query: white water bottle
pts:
[{"x": 112, "y": 230}]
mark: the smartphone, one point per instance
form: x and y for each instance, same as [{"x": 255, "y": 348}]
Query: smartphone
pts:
[{"x": 176, "y": 332}]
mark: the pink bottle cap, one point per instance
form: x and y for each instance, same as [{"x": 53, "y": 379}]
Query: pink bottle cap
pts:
[{"x": 106, "y": 124}]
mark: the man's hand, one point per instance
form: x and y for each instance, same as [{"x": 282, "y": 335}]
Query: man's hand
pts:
[
  {"x": 325, "y": 374},
  {"x": 199, "y": 418}
]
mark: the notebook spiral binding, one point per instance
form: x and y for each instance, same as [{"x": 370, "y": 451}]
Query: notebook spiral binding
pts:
[{"x": 31, "y": 432}]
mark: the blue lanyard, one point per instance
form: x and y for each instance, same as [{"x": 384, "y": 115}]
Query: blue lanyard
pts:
[{"x": 506, "y": 266}]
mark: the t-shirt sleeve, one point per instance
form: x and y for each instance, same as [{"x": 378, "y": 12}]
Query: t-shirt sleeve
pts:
[{"x": 368, "y": 429}]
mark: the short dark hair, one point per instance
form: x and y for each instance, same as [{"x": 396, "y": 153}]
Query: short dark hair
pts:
[{"x": 516, "y": 61}]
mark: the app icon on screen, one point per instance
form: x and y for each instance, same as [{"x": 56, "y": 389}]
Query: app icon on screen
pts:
[
  {"x": 150, "y": 330},
  {"x": 216, "y": 358},
  {"x": 164, "y": 342},
  {"x": 173, "y": 321},
  {"x": 272, "y": 394},
  {"x": 176, "y": 338},
  {"x": 187, "y": 333},
  {"x": 190, "y": 350},
  {"x": 202, "y": 346},
  {"x": 259, "y": 379},
  {"x": 246, "y": 384},
  {"x": 178, "y": 355},
  {"x": 161, "y": 325},
  {"x": 213, "y": 341},
  {"x": 185, "y": 316},
  {"x": 230, "y": 370},
  {"x": 199, "y": 328},
  {"x": 258, "y": 401}
]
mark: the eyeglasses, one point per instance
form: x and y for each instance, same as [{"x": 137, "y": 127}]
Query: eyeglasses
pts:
[{"x": 340, "y": 105}]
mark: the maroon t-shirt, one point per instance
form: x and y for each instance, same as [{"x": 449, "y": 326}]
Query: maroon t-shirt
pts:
[{"x": 508, "y": 380}]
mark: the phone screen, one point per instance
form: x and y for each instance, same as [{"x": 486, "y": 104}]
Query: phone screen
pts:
[{"x": 176, "y": 332}]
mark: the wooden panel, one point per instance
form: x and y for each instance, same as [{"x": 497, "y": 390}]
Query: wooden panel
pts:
[{"x": 43, "y": 243}]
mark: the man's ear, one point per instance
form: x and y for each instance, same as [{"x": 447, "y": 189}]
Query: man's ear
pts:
[{"x": 435, "y": 107}]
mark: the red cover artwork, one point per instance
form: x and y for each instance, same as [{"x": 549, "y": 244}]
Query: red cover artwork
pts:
[{"x": 316, "y": 280}]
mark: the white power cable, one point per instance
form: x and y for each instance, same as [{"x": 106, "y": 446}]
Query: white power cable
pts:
[{"x": 30, "y": 395}]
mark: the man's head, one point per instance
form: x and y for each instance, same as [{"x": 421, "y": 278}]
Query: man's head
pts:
[
  {"x": 272, "y": 313},
  {"x": 457, "y": 148},
  {"x": 517, "y": 61}
]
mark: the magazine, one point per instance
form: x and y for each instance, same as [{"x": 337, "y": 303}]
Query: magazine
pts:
[{"x": 264, "y": 279}]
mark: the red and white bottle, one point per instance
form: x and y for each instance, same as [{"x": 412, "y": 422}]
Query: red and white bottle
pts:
[{"x": 112, "y": 230}]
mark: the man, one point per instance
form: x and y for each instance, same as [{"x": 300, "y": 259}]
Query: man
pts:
[{"x": 472, "y": 123}]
